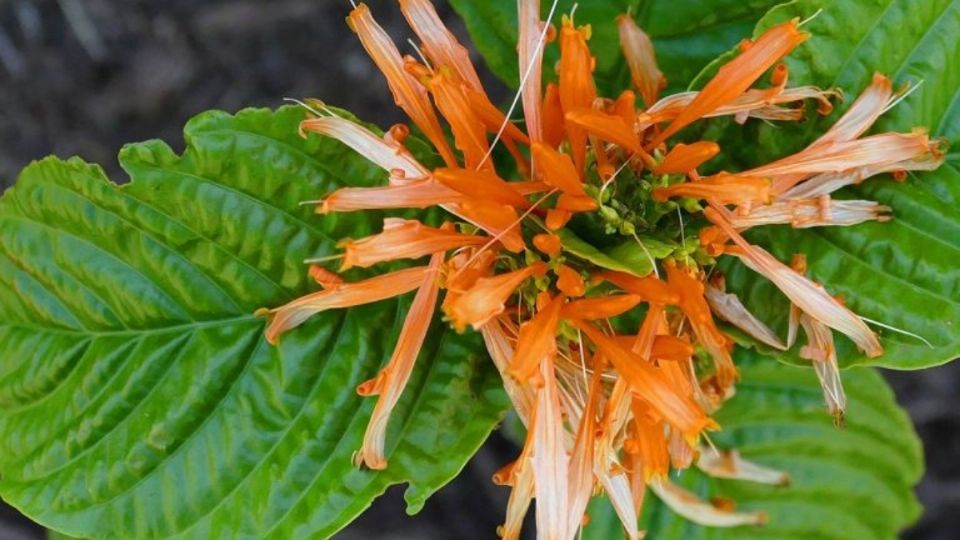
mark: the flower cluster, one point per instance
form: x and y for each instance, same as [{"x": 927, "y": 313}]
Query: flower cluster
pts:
[{"x": 614, "y": 370}]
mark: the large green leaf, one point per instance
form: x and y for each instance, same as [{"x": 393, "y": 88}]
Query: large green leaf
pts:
[
  {"x": 850, "y": 482},
  {"x": 904, "y": 273},
  {"x": 138, "y": 398},
  {"x": 687, "y": 33}
]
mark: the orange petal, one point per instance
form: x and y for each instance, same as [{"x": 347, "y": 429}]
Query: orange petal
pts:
[
  {"x": 602, "y": 307},
  {"x": 553, "y": 131},
  {"x": 684, "y": 158},
  {"x": 569, "y": 281},
  {"x": 530, "y": 51},
  {"x": 557, "y": 169},
  {"x": 548, "y": 244},
  {"x": 537, "y": 341},
  {"x": 408, "y": 94},
  {"x": 722, "y": 188},
  {"x": 439, "y": 44},
  {"x": 738, "y": 75},
  {"x": 608, "y": 127},
  {"x": 483, "y": 185},
  {"x": 639, "y": 54},
  {"x": 577, "y": 89},
  {"x": 487, "y": 297},
  {"x": 403, "y": 239}
]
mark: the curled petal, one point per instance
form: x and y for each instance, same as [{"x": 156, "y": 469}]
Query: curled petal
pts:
[
  {"x": 822, "y": 353},
  {"x": 807, "y": 295},
  {"x": 346, "y": 295},
  {"x": 729, "y": 308},
  {"x": 639, "y": 54},
  {"x": 729, "y": 464},
  {"x": 408, "y": 94},
  {"x": 390, "y": 382},
  {"x": 699, "y": 511},
  {"x": 390, "y": 157},
  {"x": 403, "y": 239}
]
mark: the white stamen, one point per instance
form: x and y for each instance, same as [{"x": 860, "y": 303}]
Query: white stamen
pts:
[
  {"x": 354, "y": 4},
  {"x": 328, "y": 258},
  {"x": 911, "y": 88},
  {"x": 523, "y": 83},
  {"x": 423, "y": 58},
  {"x": 653, "y": 262},
  {"x": 899, "y": 331},
  {"x": 810, "y": 18},
  {"x": 308, "y": 107}
]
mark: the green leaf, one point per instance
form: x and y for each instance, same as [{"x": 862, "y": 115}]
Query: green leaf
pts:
[
  {"x": 687, "y": 34},
  {"x": 626, "y": 257},
  {"x": 904, "y": 273},
  {"x": 851, "y": 482},
  {"x": 138, "y": 398}
]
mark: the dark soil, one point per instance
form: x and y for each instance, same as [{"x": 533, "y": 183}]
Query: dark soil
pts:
[{"x": 83, "y": 77}]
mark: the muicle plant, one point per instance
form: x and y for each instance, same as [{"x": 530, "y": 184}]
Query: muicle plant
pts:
[{"x": 674, "y": 280}]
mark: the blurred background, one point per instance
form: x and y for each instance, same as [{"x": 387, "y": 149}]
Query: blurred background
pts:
[{"x": 83, "y": 77}]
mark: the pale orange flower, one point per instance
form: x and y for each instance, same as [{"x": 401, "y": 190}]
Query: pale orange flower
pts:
[{"x": 403, "y": 239}]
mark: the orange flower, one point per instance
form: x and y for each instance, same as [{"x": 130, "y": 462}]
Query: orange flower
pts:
[
  {"x": 481, "y": 185},
  {"x": 530, "y": 46},
  {"x": 385, "y": 286},
  {"x": 602, "y": 307},
  {"x": 810, "y": 297},
  {"x": 684, "y": 158},
  {"x": 577, "y": 90},
  {"x": 391, "y": 381},
  {"x": 608, "y": 127},
  {"x": 409, "y": 95},
  {"x": 736, "y": 76},
  {"x": 403, "y": 239},
  {"x": 552, "y": 118},
  {"x": 557, "y": 169},
  {"x": 638, "y": 52},
  {"x": 469, "y": 133},
  {"x": 439, "y": 45},
  {"x": 548, "y": 244},
  {"x": 488, "y": 295},
  {"x": 649, "y": 288},
  {"x": 569, "y": 281},
  {"x": 646, "y": 381},
  {"x": 695, "y": 307},
  {"x": 393, "y": 158},
  {"x": 422, "y": 193},
  {"x": 722, "y": 188},
  {"x": 537, "y": 341}
]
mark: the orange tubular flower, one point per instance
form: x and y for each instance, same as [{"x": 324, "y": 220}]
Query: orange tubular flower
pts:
[
  {"x": 557, "y": 170},
  {"x": 608, "y": 127},
  {"x": 649, "y": 288},
  {"x": 481, "y": 185},
  {"x": 577, "y": 89},
  {"x": 569, "y": 281},
  {"x": 390, "y": 382},
  {"x": 819, "y": 212},
  {"x": 469, "y": 133},
  {"x": 500, "y": 220},
  {"x": 548, "y": 244},
  {"x": 647, "y": 441},
  {"x": 408, "y": 94},
  {"x": 807, "y": 295},
  {"x": 638, "y": 52},
  {"x": 390, "y": 157},
  {"x": 552, "y": 117},
  {"x": 403, "y": 239},
  {"x": 671, "y": 348},
  {"x": 684, "y": 158},
  {"x": 602, "y": 307},
  {"x": 440, "y": 46},
  {"x": 722, "y": 188},
  {"x": 649, "y": 383},
  {"x": 417, "y": 194},
  {"x": 378, "y": 288},
  {"x": 735, "y": 77},
  {"x": 488, "y": 295},
  {"x": 695, "y": 307},
  {"x": 537, "y": 341},
  {"x": 550, "y": 461}
]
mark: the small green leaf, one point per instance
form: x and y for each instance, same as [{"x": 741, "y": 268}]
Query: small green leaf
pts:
[
  {"x": 626, "y": 257},
  {"x": 851, "y": 482},
  {"x": 687, "y": 34},
  {"x": 138, "y": 398},
  {"x": 904, "y": 273}
]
